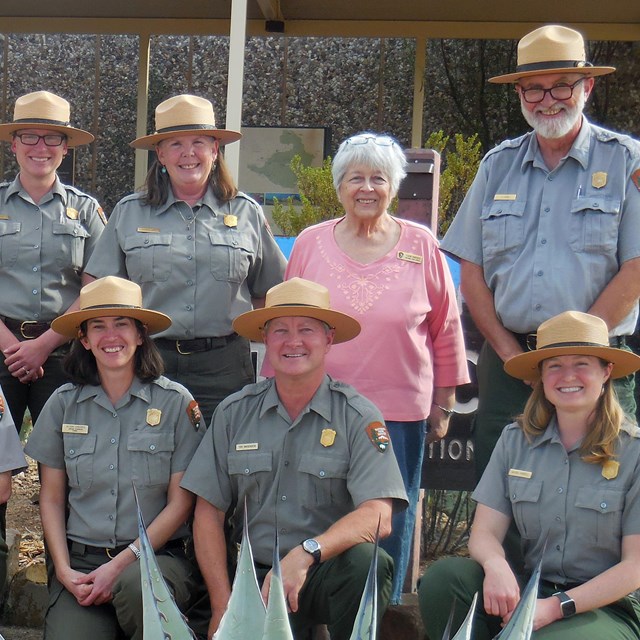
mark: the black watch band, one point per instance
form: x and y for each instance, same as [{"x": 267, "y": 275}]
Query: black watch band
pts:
[
  {"x": 567, "y": 604},
  {"x": 312, "y": 547}
]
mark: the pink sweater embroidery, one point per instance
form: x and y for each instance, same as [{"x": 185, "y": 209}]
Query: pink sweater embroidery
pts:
[{"x": 411, "y": 337}]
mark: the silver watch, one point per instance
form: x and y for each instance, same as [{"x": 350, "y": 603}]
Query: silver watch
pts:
[{"x": 312, "y": 546}]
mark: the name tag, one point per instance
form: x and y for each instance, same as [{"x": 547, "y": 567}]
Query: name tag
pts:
[
  {"x": 409, "y": 257},
  {"x": 75, "y": 428},
  {"x": 4, "y": 216},
  {"x": 247, "y": 446},
  {"x": 505, "y": 196},
  {"x": 147, "y": 230},
  {"x": 518, "y": 473}
]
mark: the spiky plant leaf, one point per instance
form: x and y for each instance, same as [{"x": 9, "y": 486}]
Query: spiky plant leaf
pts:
[
  {"x": 464, "y": 632},
  {"x": 161, "y": 618},
  {"x": 276, "y": 624},
  {"x": 245, "y": 614}
]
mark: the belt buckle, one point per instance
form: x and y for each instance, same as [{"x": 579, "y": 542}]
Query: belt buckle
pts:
[
  {"x": 180, "y": 351},
  {"x": 531, "y": 341},
  {"x": 22, "y": 333},
  {"x": 108, "y": 552}
]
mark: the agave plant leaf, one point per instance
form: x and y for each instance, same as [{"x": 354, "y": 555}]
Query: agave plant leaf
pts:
[
  {"x": 366, "y": 623},
  {"x": 245, "y": 614},
  {"x": 276, "y": 624},
  {"x": 520, "y": 625},
  {"x": 464, "y": 632},
  {"x": 161, "y": 618}
]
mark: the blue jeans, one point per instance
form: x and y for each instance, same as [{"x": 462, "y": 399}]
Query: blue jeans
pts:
[{"x": 408, "y": 440}]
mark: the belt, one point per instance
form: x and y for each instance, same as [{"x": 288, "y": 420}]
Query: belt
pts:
[
  {"x": 528, "y": 341},
  {"x": 196, "y": 345},
  {"x": 112, "y": 552},
  {"x": 558, "y": 586},
  {"x": 28, "y": 329}
]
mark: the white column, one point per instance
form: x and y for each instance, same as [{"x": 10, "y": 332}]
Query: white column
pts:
[
  {"x": 142, "y": 164},
  {"x": 418, "y": 92}
]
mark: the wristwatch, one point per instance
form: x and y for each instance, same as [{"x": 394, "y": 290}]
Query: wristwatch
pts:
[
  {"x": 567, "y": 605},
  {"x": 312, "y": 547}
]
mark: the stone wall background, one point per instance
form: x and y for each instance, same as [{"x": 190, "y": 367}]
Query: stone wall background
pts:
[{"x": 348, "y": 85}]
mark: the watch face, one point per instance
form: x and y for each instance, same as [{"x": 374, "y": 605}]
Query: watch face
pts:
[
  {"x": 568, "y": 608},
  {"x": 311, "y": 545}
]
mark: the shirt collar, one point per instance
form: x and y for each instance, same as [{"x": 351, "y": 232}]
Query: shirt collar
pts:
[
  {"x": 16, "y": 188},
  {"x": 552, "y": 435},
  {"x": 320, "y": 403},
  {"x": 208, "y": 200},
  {"x": 96, "y": 392}
]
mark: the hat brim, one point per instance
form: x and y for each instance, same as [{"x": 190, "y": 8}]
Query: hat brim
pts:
[
  {"x": 251, "y": 323},
  {"x": 584, "y": 71},
  {"x": 525, "y": 366},
  {"x": 75, "y": 137},
  {"x": 223, "y": 136},
  {"x": 69, "y": 324}
]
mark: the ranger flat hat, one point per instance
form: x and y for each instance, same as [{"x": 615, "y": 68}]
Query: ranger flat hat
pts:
[
  {"x": 44, "y": 110},
  {"x": 110, "y": 297},
  {"x": 185, "y": 115},
  {"x": 572, "y": 333},
  {"x": 297, "y": 297},
  {"x": 551, "y": 49}
]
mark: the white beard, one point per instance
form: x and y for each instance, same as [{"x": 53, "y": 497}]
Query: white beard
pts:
[{"x": 561, "y": 124}]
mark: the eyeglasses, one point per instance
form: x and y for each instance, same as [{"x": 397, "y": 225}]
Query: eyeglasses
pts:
[
  {"x": 364, "y": 138},
  {"x": 558, "y": 92},
  {"x": 32, "y": 139}
]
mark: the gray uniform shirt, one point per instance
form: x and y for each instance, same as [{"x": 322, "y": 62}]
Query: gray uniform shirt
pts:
[
  {"x": 144, "y": 439},
  {"x": 201, "y": 272},
  {"x": 44, "y": 249},
  {"x": 11, "y": 456},
  {"x": 554, "y": 495},
  {"x": 550, "y": 241},
  {"x": 299, "y": 476}
]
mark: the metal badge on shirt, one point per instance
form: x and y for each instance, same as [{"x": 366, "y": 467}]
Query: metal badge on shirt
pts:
[
  {"x": 379, "y": 436},
  {"x": 599, "y": 179},
  {"x": 153, "y": 417},
  {"x": 519, "y": 473},
  {"x": 610, "y": 469},
  {"x": 409, "y": 257},
  {"x": 72, "y": 213},
  {"x": 230, "y": 220},
  {"x": 327, "y": 437}
]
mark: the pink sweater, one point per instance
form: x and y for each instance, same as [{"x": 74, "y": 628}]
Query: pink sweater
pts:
[{"x": 411, "y": 337}]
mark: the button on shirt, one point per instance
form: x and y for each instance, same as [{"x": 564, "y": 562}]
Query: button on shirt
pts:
[
  {"x": 564, "y": 500},
  {"x": 190, "y": 264},
  {"x": 291, "y": 481},
  {"x": 119, "y": 447},
  {"x": 44, "y": 249},
  {"x": 550, "y": 241}
]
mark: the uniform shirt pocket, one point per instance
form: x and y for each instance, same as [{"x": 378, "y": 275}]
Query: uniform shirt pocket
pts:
[
  {"x": 599, "y": 514},
  {"x": 253, "y": 474},
  {"x": 79, "y": 450},
  {"x": 70, "y": 240},
  {"x": 9, "y": 242},
  {"x": 151, "y": 457},
  {"x": 327, "y": 478},
  {"x": 525, "y": 503},
  {"x": 594, "y": 224},
  {"x": 148, "y": 257},
  {"x": 230, "y": 255},
  {"x": 502, "y": 226}
]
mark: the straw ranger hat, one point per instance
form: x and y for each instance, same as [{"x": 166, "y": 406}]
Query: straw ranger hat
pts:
[
  {"x": 572, "y": 333},
  {"x": 185, "y": 115},
  {"x": 296, "y": 297},
  {"x": 551, "y": 49},
  {"x": 112, "y": 297},
  {"x": 44, "y": 110}
]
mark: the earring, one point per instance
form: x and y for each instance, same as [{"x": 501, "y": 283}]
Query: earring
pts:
[{"x": 163, "y": 170}]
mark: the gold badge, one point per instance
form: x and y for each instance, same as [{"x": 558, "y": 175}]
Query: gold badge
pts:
[
  {"x": 195, "y": 416},
  {"x": 72, "y": 213},
  {"x": 328, "y": 437},
  {"x": 379, "y": 436},
  {"x": 409, "y": 257},
  {"x": 230, "y": 220},
  {"x": 153, "y": 417},
  {"x": 599, "y": 179},
  {"x": 610, "y": 469}
]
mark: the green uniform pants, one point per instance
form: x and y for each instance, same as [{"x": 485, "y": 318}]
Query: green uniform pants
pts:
[
  {"x": 121, "y": 619},
  {"x": 458, "y": 579}
]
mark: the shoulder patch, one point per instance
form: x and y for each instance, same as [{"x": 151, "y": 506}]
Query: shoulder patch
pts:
[
  {"x": 379, "y": 436},
  {"x": 1, "y": 407},
  {"x": 101, "y": 215},
  {"x": 195, "y": 416},
  {"x": 635, "y": 178}
]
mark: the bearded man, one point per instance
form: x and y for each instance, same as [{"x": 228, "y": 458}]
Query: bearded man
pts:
[{"x": 551, "y": 223}]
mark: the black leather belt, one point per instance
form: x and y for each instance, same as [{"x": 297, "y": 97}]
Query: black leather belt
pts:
[
  {"x": 28, "y": 329},
  {"x": 196, "y": 345},
  {"x": 112, "y": 552},
  {"x": 558, "y": 586},
  {"x": 528, "y": 341}
]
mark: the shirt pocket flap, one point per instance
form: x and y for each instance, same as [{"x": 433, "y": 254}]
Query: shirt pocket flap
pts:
[
  {"x": 143, "y": 240},
  {"x": 75, "y": 230},
  {"x": 501, "y": 208},
  {"x": 77, "y": 445},
  {"x": 324, "y": 466},
  {"x": 600, "y": 500},
  {"x": 596, "y": 203},
  {"x": 248, "y": 463},
  {"x": 524, "y": 490},
  {"x": 231, "y": 239},
  {"x": 9, "y": 227},
  {"x": 150, "y": 442}
]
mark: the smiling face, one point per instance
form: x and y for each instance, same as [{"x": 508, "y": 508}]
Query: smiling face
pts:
[
  {"x": 188, "y": 160},
  {"x": 365, "y": 193},
  {"x": 574, "y": 383},
  {"x": 113, "y": 342},
  {"x": 296, "y": 346},
  {"x": 38, "y": 161}
]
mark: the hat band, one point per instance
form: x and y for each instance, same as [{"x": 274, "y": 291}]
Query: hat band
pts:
[
  {"x": 556, "y": 345},
  {"x": 557, "y": 64},
  {"x": 58, "y": 123},
  {"x": 184, "y": 127},
  {"x": 110, "y": 306}
]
